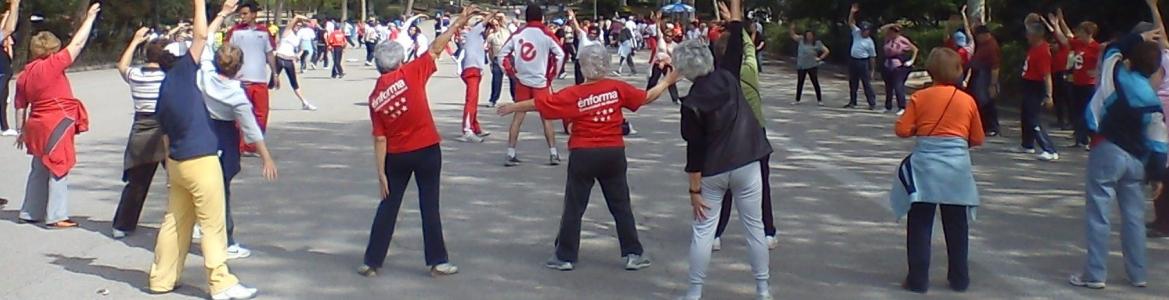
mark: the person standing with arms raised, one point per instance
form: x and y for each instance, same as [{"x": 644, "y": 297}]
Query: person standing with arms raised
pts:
[
  {"x": 860, "y": 66},
  {"x": 258, "y": 46},
  {"x": 144, "y": 149},
  {"x": 534, "y": 57},
  {"x": 194, "y": 173},
  {"x": 473, "y": 62}
]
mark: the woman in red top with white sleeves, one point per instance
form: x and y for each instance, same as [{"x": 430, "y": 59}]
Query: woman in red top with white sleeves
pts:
[
  {"x": 597, "y": 151},
  {"x": 406, "y": 144}
]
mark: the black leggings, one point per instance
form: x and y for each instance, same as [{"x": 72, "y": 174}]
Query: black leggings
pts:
[
  {"x": 919, "y": 233},
  {"x": 655, "y": 75},
  {"x": 289, "y": 69},
  {"x": 426, "y": 164},
  {"x": 814, "y": 73},
  {"x": 585, "y": 168}
]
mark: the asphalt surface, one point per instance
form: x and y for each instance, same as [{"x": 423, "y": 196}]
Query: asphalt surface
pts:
[{"x": 831, "y": 173}]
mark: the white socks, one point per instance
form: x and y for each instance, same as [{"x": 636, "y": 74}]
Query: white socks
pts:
[{"x": 553, "y": 151}]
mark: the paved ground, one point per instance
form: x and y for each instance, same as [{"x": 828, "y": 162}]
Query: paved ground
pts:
[{"x": 308, "y": 230}]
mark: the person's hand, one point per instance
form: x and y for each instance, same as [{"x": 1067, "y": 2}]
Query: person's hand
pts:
[
  {"x": 571, "y": 15},
  {"x": 724, "y": 11},
  {"x": 1047, "y": 103},
  {"x": 20, "y": 141},
  {"x": 963, "y": 11},
  {"x": 1152, "y": 35},
  {"x": 383, "y": 185},
  {"x": 140, "y": 35},
  {"x": 275, "y": 81},
  {"x": 93, "y": 10},
  {"x": 1059, "y": 13},
  {"x": 673, "y": 76},
  {"x": 229, "y": 7},
  {"x": 269, "y": 170},
  {"x": 698, "y": 206},
  {"x": 505, "y": 109},
  {"x": 468, "y": 11},
  {"x": 856, "y": 7}
]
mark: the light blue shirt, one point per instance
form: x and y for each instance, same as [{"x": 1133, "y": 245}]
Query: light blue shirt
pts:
[{"x": 862, "y": 47}]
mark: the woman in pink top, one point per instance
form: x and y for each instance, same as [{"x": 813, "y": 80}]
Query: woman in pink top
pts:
[{"x": 899, "y": 54}]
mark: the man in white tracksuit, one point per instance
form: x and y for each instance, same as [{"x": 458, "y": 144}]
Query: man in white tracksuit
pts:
[{"x": 535, "y": 57}]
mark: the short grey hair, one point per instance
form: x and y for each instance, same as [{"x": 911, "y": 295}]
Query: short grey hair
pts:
[
  {"x": 594, "y": 61},
  {"x": 389, "y": 56},
  {"x": 692, "y": 59}
]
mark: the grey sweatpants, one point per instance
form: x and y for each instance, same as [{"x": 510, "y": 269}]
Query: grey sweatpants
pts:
[
  {"x": 46, "y": 197},
  {"x": 746, "y": 184}
]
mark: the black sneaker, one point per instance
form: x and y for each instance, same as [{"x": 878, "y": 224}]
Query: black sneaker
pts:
[{"x": 849, "y": 106}]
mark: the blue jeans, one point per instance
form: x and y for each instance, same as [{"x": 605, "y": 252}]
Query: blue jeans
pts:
[
  {"x": 980, "y": 89},
  {"x": 1114, "y": 174},
  {"x": 497, "y": 82},
  {"x": 859, "y": 73},
  {"x": 1033, "y": 129},
  {"x": 895, "y": 86}
]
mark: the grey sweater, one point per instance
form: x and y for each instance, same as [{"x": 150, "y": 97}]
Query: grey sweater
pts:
[{"x": 225, "y": 98}]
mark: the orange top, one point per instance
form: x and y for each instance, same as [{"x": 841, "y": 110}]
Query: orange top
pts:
[{"x": 923, "y": 115}]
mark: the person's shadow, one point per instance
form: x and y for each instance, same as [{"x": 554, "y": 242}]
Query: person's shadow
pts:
[{"x": 137, "y": 278}]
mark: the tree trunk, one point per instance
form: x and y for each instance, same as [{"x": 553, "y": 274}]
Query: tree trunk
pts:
[
  {"x": 717, "y": 16},
  {"x": 279, "y": 12},
  {"x": 364, "y": 10},
  {"x": 409, "y": 7},
  {"x": 344, "y": 10}
]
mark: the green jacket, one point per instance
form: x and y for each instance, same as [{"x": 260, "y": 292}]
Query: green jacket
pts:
[{"x": 749, "y": 79}]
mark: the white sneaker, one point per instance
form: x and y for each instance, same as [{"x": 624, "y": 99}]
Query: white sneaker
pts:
[
  {"x": 308, "y": 106},
  {"x": 772, "y": 243},
  {"x": 236, "y": 251},
  {"x": 1025, "y": 150},
  {"x": 9, "y": 132},
  {"x": 718, "y": 244},
  {"x": 1077, "y": 281},
  {"x": 470, "y": 138},
  {"x": 900, "y": 112},
  {"x": 236, "y": 292},
  {"x": 1048, "y": 156},
  {"x": 444, "y": 269},
  {"x": 197, "y": 234},
  {"x": 118, "y": 234}
]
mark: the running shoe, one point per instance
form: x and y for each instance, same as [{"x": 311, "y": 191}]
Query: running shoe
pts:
[
  {"x": 718, "y": 244},
  {"x": 772, "y": 243},
  {"x": 1140, "y": 284},
  {"x": 308, "y": 106},
  {"x": 3, "y": 201},
  {"x": 888, "y": 110},
  {"x": 557, "y": 264},
  {"x": 444, "y": 269},
  {"x": 1154, "y": 233},
  {"x": 1077, "y": 281},
  {"x": 992, "y": 133},
  {"x": 849, "y": 106},
  {"x": 236, "y": 251},
  {"x": 483, "y": 134},
  {"x": 236, "y": 292},
  {"x": 367, "y": 271},
  {"x": 1048, "y": 156},
  {"x": 9, "y": 132},
  {"x": 634, "y": 262},
  {"x": 512, "y": 161},
  {"x": 470, "y": 138},
  {"x": 900, "y": 112},
  {"x": 819, "y": 103},
  {"x": 554, "y": 159},
  {"x": 118, "y": 234},
  {"x": 1025, "y": 150}
]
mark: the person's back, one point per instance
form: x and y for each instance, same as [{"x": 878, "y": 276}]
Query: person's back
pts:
[
  {"x": 942, "y": 110},
  {"x": 534, "y": 54},
  {"x": 182, "y": 113},
  {"x": 726, "y": 123}
]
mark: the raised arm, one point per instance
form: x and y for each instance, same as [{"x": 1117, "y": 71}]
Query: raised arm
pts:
[
  {"x": 732, "y": 58},
  {"x": 795, "y": 35},
  {"x": 1160, "y": 24},
  {"x": 9, "y": 24},
  {"x": 852, "y": 11},
  {"x": 128, "y": 54},
  {"x": 82, "y": 35},
  {"x": 441, "y": 41},
  {"x": 1056, "y": 22},
  {"x": 199, "y": 29}
]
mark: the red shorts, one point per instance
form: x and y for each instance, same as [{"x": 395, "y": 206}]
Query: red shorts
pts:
[{"x": 525, "y": 93}]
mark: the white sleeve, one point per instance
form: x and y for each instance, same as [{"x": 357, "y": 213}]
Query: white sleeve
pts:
[{"x": 559, "y": 53}]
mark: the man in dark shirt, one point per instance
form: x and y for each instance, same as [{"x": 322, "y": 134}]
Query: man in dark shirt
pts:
[{"x": 984, "y": 67}]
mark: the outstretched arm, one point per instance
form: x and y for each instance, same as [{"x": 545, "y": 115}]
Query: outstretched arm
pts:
[
  {"x": 1056, "y": 21},
  {"x": 441, "y": 41},
  {"x": 128, "y": 54},
  {"x": 82, "y": 35},
  {"x": 656, "y": 92},
  {"x": 852, "y": 10},
  {"x": 199, "y": 29},
  {"x": 1158, "y": 22},
  {"x": 795, "y": 35},
  {"x": 10, "y": 19}
]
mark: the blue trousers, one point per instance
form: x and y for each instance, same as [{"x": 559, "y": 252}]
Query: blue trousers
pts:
[
  {"x": 860, "y": 73},
  {"x": 895, "y": 86},
  {"x": 1033, "y": 129},
  {"x": 497, "y": 82},
  {"x": 1114, "y": 174}
]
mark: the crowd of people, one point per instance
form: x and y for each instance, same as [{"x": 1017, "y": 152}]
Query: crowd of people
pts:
[{"x": 201, "y": 103}]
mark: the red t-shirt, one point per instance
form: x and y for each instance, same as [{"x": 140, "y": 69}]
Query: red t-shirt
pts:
[
  {"x": 1038, "y": 62},
  {"x": 713, "y": 33},
  {"x": 594, "y": 110},
  {"x": 1087, "y": 60},
  {"x": 44, "y": 79},
  {"x": 1059, "y": 59},
  {"x": 399, "y": 109}
]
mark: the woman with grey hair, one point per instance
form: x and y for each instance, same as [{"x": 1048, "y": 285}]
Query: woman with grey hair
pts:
[
  {"x": 598, "y": 151},
  {"x": 406, "y": 144},
  {"x": 724, "y": 146}
]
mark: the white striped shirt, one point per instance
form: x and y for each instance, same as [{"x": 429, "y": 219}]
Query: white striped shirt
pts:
[{"x": 144, "y": 83}]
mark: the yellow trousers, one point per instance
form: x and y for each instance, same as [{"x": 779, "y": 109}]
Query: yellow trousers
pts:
[{"x": 196, "y": 194}]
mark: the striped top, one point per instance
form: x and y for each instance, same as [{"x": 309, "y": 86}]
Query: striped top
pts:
[{"x": 144, "y": 83}]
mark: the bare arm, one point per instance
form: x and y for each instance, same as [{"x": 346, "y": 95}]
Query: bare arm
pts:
[
  {"x": 795, "y": 35},
  {"x": 11, "y": 18},
  {"x": 441, "y": 41},
  {"x": 128, "y": 54},
  {"x": 82, "y": 35},
  {"x": 825, "y": 54},
  {"x": 199, "y": 29},
  {"x": 1160, "y": 24},
  {"x": 379, "y": 153},
  {"x": 656, "y": 92},
  {"x": 855, "y": 8},
  {"x": 1056, "y": 21}
]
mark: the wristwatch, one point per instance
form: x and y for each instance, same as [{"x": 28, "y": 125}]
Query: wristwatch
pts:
[{"x": 696, "y": 192}]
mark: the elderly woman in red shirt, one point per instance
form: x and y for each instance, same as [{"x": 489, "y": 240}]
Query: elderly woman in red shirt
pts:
[
  {"x": 54, "y": 116},
  {"x": 598, "y": 151},
  {"x": 406, "y": 144}
]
